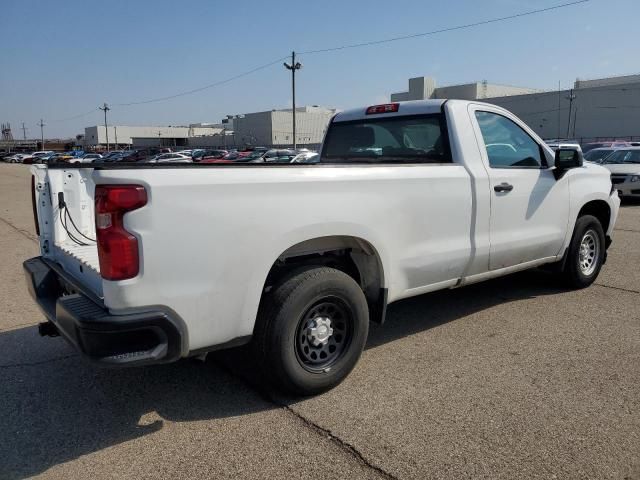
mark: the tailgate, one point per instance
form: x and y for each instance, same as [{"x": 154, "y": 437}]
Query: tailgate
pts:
[{"x": 64, "y": 206}]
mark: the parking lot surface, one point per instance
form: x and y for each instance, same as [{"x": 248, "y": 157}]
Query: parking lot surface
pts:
[{"x": 514, "y": 378}]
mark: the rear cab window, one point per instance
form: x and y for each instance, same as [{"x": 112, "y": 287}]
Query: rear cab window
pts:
[{"x": 399, "y": 139}]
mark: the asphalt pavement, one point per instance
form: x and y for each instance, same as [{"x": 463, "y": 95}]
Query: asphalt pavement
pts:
[{"x": 512, "y": 378}]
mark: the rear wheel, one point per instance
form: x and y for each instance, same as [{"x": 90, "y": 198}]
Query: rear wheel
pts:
[
  {"x": 586, "y": 253},
  {"x": 311, "y": 330}
]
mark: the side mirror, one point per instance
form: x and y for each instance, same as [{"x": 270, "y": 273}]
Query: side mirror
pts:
[{"x": 567, "y": 158}]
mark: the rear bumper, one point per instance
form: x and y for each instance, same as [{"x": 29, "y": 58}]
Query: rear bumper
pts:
[{"x": 155, "y": 336}]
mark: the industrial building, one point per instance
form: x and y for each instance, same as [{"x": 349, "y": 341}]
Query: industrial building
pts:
[
  {"x": 422, "y": 88},
  {"x": 273, "y": 128},
  {"x": 599, "y": 109},
  {"x": 122, "y": 136}
]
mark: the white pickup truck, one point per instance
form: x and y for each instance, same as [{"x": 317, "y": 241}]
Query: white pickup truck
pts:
[{"x": 144, "y": 263}]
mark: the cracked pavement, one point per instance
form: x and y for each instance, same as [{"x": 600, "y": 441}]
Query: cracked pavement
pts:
[{"x": 514, "y": 378}]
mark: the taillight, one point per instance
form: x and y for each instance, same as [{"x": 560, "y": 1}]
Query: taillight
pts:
[
  {"x": 34, "y": 205},
  {"x": 385, "y": 108},
  {"x": 117, "y": 248}
]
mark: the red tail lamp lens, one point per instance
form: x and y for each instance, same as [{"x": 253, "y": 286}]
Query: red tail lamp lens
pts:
[{"x": 117, "y": 248}]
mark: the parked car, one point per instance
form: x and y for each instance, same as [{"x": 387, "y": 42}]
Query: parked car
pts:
[
  {"x": 598, "y": 155},
  {"x": 4, "y": 156},
  {"x": 38, "y": 156},
  {"x": 131, "y": 155},
  {"x": 306, "y": 157},
  {"x": 215, "y": 154},
  {"x": 86, "y": 158},
  {"x": 610, "y": 144},
  {"x": 253, "y": 156},
  {"x": 60, "y": 157},
  {"x": 276, "y": 156},
  {"x": 299, "y": 262},
  {"x": 46, "y": 158},
  {"x": 170, "y": 158},
  {"x": 16, "y": 158},
  {"x": 624, "y": 165},
  {"x": 556, "y": 145}
]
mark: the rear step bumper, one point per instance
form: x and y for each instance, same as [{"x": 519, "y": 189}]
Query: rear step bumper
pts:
[{"x": 116, "y": 340}]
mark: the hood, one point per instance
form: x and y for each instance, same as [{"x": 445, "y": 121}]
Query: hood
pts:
[{"x": 625, "y": 168}]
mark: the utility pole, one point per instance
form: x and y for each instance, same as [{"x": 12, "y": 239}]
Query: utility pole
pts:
[
  {"x": 105, "y": 108},
  {"x": 293, "y": 67},
  {"x": 571, "y": 97},
  {"x": 41, "y": 124},
  {"x": 559, "y": 106},
  {"x": 24, "y": 131},
  {"x": 115, "y": 132}
]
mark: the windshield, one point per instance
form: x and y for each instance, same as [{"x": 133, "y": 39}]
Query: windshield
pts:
[
  {"x": 624, "y": 156},
  {"x": 597, "y": 155},
  {"x": 415, "y": 139}
]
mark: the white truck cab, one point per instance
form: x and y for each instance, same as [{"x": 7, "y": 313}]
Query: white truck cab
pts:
[{"x": 141, "y": 263}]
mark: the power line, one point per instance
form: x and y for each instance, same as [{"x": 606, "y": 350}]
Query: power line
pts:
[
  {"x": 211, "y": 85},
  {"x": 75, "y": 116},
  {"x": 443, "y": 30},
  {"x": 332, "y": 49}
]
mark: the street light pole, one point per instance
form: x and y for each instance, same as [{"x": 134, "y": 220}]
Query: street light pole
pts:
[
  {"x": 293, "y": 67},
  {"x": 105, "y": 108}
]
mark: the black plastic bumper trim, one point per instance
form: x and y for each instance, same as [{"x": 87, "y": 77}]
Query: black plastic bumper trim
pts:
[{"x": 117, "y": 340}]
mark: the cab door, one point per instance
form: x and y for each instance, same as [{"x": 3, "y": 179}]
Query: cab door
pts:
[{"x": 529, "y": 207}]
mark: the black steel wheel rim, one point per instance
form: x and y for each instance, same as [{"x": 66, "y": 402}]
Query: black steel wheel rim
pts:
[{"x": 314, "y": 352}]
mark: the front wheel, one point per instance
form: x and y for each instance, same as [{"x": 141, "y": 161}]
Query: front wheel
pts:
[
  {"x": 585, "y": 256},
  {"x": 311, "y": 330}
]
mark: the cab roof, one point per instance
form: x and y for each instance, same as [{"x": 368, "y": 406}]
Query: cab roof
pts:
[{"x": 414, "y": 107}]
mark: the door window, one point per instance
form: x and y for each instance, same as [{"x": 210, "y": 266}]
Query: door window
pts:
[{"x": 508, "y": 145}]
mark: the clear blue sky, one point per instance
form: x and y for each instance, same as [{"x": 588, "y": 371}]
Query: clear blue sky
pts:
[{"x": 60, "y": 59}]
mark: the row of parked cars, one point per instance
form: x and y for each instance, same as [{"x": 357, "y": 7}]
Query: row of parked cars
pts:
[
  {"x": 624, "y": 165},
  {"x": 48, "y": 156},
  {"x": 165, "y": 155},
  {"x": 254, "y": 155},
  {"x": 621, "y": 158}
]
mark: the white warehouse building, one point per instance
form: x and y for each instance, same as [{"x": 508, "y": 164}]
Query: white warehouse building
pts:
[
  {"x": 600, "y": 109},
  {"x": 275, "y": 127},
  {"x": 422, "y": 88},
  {"x": 123, "y": 136}
]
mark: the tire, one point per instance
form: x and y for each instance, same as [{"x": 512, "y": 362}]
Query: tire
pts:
[
  {"x": 582, "y": 269},
  {"x": 311, "y": 330}
]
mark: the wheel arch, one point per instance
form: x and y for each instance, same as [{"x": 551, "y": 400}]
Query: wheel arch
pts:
[
  {"x": 599, "y": 209},
  {"x": 353, "y": 255}
]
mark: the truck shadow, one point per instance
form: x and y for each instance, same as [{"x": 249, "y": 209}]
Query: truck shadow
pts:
[{"x": 60, "y": 409}]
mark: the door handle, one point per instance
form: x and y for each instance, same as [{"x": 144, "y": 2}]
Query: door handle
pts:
[{"x": 503, "y": 187}]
